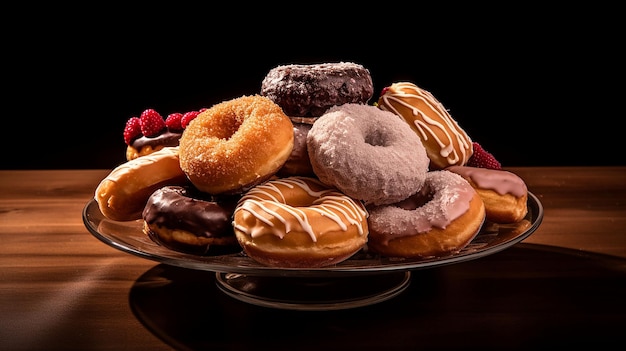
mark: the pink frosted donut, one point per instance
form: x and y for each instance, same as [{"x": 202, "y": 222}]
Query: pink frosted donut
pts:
[
  {"x": 441, "y": 219},
  {"x": 367, "y": 153}
]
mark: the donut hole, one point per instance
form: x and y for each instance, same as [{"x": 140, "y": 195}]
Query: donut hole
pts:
[
  {"x": 377, "y": 137},
  {"x": 417, "y": 200},
  {"x": 226, "y": 127}
]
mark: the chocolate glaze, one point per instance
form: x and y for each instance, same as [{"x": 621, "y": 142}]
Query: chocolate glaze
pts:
[
  {"x": 186, "y": 208},
  {"x": 167, "y": 138},
  {"x": 310, "y": 90}
]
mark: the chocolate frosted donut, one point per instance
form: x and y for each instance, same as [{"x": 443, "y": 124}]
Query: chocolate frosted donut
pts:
[
  {"x": 185, "y": 219},
  {"x": 146, "y": 145},
  {"x": 309, "y": 90}
]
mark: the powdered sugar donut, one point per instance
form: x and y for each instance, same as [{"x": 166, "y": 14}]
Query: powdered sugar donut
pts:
[{"x": 367, "y": 153}]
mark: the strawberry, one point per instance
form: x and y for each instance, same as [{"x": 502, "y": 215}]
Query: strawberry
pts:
[
  {"x": 151, "y": 122},
  {"x": 483, "y": 159},
  {"x": 173, "y": 121},
  {"x": 132, "y": 130},
  {"x": 188, "y": 117}
]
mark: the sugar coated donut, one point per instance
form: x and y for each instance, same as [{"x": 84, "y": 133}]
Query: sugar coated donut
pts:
[
  {"x": 445, "y": 142},
  {"x": 236, "y": 145},
  {"x": 440, "y": 220},
  {"x": 122, "y": 194},
  {"x": 367, "y": 153},
  {"x": 298, "y": 162},
  {"x": 298, "y": 222},
  {"x": 504, "y": 193},
  {"x": 309, "y": 90},
  {"x": 185, "y": 219}
]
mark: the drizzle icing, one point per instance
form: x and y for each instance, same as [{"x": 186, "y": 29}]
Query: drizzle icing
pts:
[
  {"x": 267, "y": 201},
  {"x": 430, "y": 120}
]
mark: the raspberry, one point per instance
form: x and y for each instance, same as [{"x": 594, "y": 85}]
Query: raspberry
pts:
[
  {"x": 132, "y": 130},
  {"x": 188, "y": 117},
  {"x": 151, "y": 123},
  {"x": 483, "y": 159},
  {"x": 173, "y": 121}
]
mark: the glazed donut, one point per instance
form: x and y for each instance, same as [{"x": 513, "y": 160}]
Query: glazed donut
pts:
[
  {"x": 236, "y": 145},
  {"x": 122, "y": 194},
  {"x": 298, "y": 222},
  {"x": 298, "y": 162},
  {"x": 445, "y": 142},
  {"x": 309, "y": 90},
  {"x": 367, "y": 153},
  {"x": 185, "y": 219},
  {"x": 504, "y": 193},
  {"x": 440, "y": 220}
]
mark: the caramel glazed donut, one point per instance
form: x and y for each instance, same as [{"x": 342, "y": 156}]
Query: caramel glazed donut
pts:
[
  {"x": 504, "y": 193},
  {"x": 445, "y": 142},
  {"x": 440, "y": 220},
  {"x": 123, "y": 193},
  {"x": 298, "y": 222},
  {"x": 235, "y": 145},
  {"x": 185, "y": 219}
]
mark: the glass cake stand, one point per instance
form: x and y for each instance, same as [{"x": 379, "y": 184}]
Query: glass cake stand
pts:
[{"x": 362, "y": 280}]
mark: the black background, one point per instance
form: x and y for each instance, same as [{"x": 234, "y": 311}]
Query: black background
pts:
[{"x": 535, "y": 87}]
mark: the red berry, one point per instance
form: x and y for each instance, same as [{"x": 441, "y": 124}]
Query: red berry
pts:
[
  {"x": 132, "y": 130},
  {"x": 151, "y": 123},
  {"x": 188, "y": 117},
  {"x": 483, "y": 159},
  {"x": 173, "y": 121}
]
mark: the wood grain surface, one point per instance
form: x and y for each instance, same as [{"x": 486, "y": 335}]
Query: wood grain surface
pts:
[{"x": 63, "y": 289}]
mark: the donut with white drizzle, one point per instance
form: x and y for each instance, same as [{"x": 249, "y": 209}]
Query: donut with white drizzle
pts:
[
  {"x": 445, "y": 141},
  {"x": 298, "y": 222}
]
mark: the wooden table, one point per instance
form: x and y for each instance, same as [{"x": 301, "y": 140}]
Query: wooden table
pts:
[{"x": 61, "y": 288}]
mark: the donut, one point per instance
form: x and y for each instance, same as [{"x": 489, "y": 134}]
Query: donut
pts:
[
  {"x": 298, "y": 162},
  {"x": 185, "y": 219},
  {"x": 235, "y": 145},
  {"x": 504, "y": 193},
  {"x": 445, "y": 142},
  {"x": 149, "y": 132},
  {"x": 309, "y": 90},
  {"x": 122, "y": 194},
  {"x": 367, "y": 153},
  {"x": 439, "y": 220},
  {"x": 144, "y": 145},
  {"x": 299, "y": 222}
]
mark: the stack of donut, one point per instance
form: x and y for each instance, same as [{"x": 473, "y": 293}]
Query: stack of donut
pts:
[{"x": 306, "y": 173}]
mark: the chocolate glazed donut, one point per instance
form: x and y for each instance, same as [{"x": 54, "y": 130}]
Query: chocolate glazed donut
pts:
[
  {"x": 184, "y": 219},
  {"x": 310, "y": 90}
]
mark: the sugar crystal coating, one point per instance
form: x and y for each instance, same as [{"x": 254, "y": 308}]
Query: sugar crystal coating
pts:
[{"x": 367, "y": 153}]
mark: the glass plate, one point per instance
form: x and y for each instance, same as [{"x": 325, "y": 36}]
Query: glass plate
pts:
[{"x": 243, "y": 278}]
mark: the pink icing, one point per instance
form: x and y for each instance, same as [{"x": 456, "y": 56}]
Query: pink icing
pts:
[
  {"x": 444, "y": 198},
  {"x": 500, "y": 181}
]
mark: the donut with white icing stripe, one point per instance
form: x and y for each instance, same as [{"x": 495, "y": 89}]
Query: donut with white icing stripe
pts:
[
  {"x": 445, "y": 141},
  {"x": 298, "y": 222}
]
